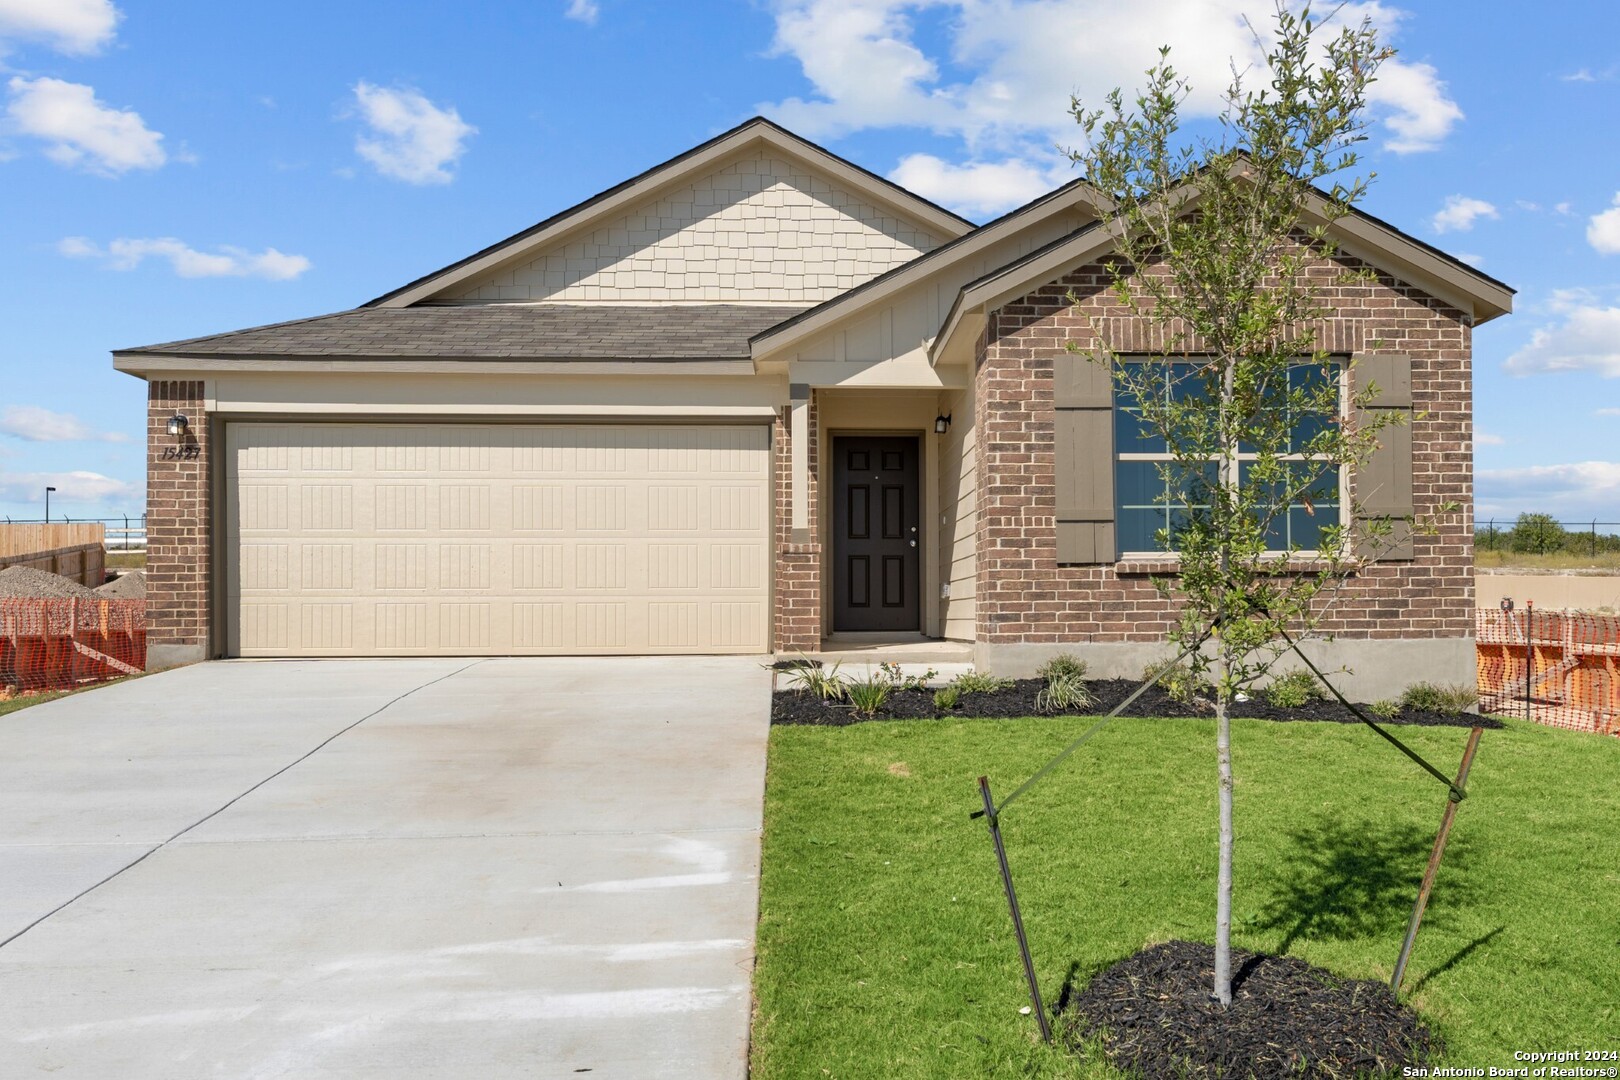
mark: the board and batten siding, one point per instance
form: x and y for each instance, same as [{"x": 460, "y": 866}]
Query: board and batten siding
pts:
[
  {"x": 760, "y": 228},
  {"x": 959, "y": 499},
  {"x": 904, "y": 327}
]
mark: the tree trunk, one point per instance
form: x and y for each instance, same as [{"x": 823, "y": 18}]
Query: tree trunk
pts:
[
  {"x": 1223, "y": 719},
  {"x": 1223, "y": 887}
]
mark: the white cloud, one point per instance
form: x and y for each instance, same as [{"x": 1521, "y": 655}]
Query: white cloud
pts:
[
  {"x": 584, "y": 11},
  {"x": 1603, "y": 230},
  {"x": 81, "y": 130},
  {"x": 1581, "y": 489},
  {"x": 1471, "y": 258},
  {"x": 78, "y": 486},
  {"x": 1460, "y": 212},
  {"x": 35, "y": 424},
  {"x": 979, "y": 188},
  {"x": 1482, "y": 438},
  {"x": 1421, "y": 115},
  {"x": 410, "y": 138},
  {"x": 1021, "y": 60},
  {"x": 1587, "y": 340},
  {"x": 69, "y": 26},
  {"x": 188, "y": 262},
  {"x": 1607, "y": 412}
]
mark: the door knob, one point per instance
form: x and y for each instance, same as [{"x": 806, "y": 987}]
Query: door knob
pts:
[{"x": 913, "y": 543}]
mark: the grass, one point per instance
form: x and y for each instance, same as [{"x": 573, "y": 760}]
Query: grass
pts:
[
  {"x": 11, "y": 705},
  {"x": 885, "y": 947},
  {"x": 126, "y": 560},
  {"x": 1557, "y": 560}
]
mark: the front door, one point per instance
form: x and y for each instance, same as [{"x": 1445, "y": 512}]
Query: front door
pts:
[{"x": 876, "y": 543}]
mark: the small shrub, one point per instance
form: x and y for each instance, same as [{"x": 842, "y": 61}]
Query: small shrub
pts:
[
  {"x": 1440, "y": 697},
  {"x": 972, "y": 682},
  {"x": 866, "y": 696},
  {"x": 897, "y": 679},
  {"x": 808, "y": 676},
  {"x": 1064, "y": 692},
  {"x": 946, "y": 698},
  {"x": 1384, "y": 709},
  {"x": 1177, "y": 680},
  {"x": 1063, "y": 664},
  {"x": 1293, "y": 689}
]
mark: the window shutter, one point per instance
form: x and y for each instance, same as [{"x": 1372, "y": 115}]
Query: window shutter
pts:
[
  {"x": 1083, "y": 392},
  {"x": 1384, "y": 485}
]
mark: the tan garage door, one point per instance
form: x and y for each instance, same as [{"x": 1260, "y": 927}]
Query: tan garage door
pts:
[{"x": 473, "y": 539}]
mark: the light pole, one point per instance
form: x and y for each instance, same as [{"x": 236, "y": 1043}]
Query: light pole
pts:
[{"x": 48, "y": 491}]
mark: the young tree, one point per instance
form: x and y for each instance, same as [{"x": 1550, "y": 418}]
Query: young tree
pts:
[{"x": 1225, "y": 247}]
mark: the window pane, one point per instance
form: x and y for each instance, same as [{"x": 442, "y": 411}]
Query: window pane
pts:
[
  {"x": 1137, "y": 484},
  {"x": 1132, "y": 436},
  {"x": 1193, "y": 487},
  {"x": 1305, "y": 528},
  {"x": 1313, "y": 380},
  {"x": 1315, "y": 506},
  {"x": 1137, "y": 529}
]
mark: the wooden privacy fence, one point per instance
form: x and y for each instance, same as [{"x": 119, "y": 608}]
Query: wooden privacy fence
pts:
[
  {"x": 51, "y": 644},
  {"x": 1560, "y": 668},
  {"x": 77, "y": 552}
]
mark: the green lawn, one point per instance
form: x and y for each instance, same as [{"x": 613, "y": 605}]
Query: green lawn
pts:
[
  {"x": 885, "y": 947},
  {"x": 11, "y": 705}
]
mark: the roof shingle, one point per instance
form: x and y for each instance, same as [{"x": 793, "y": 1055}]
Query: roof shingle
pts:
[{"x": 500, "y": 331}]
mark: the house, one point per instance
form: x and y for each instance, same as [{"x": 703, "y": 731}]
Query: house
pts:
[{"x": 752, "y": 398}]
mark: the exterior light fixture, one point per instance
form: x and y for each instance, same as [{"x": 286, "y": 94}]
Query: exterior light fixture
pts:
[
  {"x": 48, "y": 491},
  {"x": 942, "y": 424},
  {"x": 179, "y": 425}
]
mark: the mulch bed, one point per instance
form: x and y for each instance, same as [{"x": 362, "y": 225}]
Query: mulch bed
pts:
[
  {"x": 1153, "y": 1016},
  {"x": 797, "y": 707}
]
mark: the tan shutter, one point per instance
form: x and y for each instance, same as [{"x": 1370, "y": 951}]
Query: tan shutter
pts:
[
  {"x": 1384, "y": 486},
  {"x": 1083, "y": 392}
]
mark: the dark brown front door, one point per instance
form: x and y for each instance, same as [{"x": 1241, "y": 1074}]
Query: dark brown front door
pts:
[{"x": 875, "y": 539}]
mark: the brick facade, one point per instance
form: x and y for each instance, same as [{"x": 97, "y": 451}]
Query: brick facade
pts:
[
  {"x": 797, "y": 623},
  {"x": 1024, "y": 596},
  {"x": 178, "y": 536}
]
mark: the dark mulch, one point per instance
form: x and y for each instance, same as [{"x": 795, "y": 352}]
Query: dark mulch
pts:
[
  {"x": 796, "y": 707},
  {"x": 1153, "y": 1015}
]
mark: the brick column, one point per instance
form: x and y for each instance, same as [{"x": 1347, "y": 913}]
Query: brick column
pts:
[
  {"x": 798, "y": 560},
  {"x": 178, "y": 527}
]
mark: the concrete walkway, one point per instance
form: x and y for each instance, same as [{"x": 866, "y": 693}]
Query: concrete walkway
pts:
[{"x": 385, "y": 869}]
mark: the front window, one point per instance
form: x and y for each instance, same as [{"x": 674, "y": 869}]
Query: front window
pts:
[{"x": 1154, "y": 494}]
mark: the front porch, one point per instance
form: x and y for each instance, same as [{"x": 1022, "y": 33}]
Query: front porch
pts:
[{"x": 876, "y": 555}]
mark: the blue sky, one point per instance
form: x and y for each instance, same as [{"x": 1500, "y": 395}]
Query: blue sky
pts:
[{"x": 178, "y": 168}]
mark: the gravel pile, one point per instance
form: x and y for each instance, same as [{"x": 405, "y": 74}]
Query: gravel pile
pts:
[
  {"x": 25, "y": 581},
  {"x": 128, "y": 586}
]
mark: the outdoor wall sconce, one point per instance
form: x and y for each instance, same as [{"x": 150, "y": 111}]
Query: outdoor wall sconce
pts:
[
  {"x": 942, "y": 424},
  {"x": 179, "y": 425}
]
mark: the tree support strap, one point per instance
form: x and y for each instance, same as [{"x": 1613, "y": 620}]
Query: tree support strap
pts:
[
  {"x": 1458, "y": 792},
  {"x": 1062, "y": 755}
]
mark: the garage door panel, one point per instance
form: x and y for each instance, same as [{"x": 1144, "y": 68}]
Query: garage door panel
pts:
[{"x": 360, "y": 539}]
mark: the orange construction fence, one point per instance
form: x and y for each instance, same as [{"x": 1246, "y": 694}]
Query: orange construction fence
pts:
[
  {"x": 1560, "y": 668},
  {"x": 59, "y": 644}
]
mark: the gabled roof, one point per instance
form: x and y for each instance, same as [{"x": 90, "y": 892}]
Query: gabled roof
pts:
[
  {"x": 1358, "y": 233},
  {"x": 755, "y": 131},
  {"x": 496, "y": 332},
  {"x": 1076, "y": 192}
]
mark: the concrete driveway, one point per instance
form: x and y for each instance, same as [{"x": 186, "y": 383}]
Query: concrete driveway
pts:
[{"x": 385, "y": 869}]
